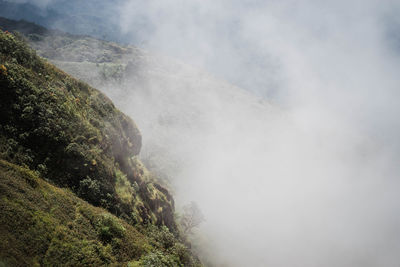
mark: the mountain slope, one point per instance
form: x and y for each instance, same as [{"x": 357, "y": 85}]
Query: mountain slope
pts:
[{"x": 73, "y": 136}]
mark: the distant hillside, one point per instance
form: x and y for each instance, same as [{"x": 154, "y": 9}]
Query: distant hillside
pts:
[
  {"x": 92, "y": 60},
  {"x": 59, "y": 45},
  {"x": 25, "y": 27},
  {"x": 57, "y": 130}
]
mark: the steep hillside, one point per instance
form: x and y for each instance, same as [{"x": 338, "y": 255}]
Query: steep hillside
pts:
[{"x": 71, "y": 135}]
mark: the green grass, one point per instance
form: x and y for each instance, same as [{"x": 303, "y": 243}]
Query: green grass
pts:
[{"x": 124, "y": 188}]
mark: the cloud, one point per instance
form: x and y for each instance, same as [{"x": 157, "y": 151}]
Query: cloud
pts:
[{"x": 306, "y": 176}]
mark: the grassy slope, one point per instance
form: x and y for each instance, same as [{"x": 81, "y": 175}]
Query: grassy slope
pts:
[
  {"x": 43, "y": 224},
  {"x": 72, "y": 135}
]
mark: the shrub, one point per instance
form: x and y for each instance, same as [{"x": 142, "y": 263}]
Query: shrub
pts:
[
  {"x": 161, "y": 236},
  {"x": 90, "y": 190},
  {"x": 158, "y": 259},
  {"x": 109, "y": 228}
]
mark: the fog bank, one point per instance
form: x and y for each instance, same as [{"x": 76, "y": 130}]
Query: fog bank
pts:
[{"x": 294, "y": 158}]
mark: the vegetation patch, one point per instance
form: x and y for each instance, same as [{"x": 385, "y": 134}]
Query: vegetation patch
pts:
[{"x": 77, "y": 234}]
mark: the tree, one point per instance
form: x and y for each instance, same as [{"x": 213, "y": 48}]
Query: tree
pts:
[{"x": 192, "y": 217}]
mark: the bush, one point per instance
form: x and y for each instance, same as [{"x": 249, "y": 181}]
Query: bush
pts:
[
  {"x": 183, "y": 253},
  {"x": 158, "y": 259},
  {"x": 109, "y": 228},
  {"x": 161, "y": 236},
  {"x": 90, "y": 190}
]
